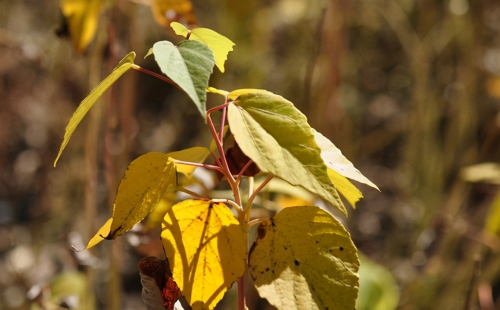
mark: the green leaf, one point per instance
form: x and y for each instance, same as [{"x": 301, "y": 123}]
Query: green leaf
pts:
[
  {"x": 123, "y": 66},
  {"x": 199, "y": 60},
  {"x": 304, "y": 259},
  {"x": 219, "y": 44},
  {"x": 335, "y": 160},
  {"x": 492, "y": 224},
  {"x": 277, "y": 137},
  {"x": 189, "y": 66},
  {"x": 378, "y": 289},
  {"x": 146, "y": 180}
]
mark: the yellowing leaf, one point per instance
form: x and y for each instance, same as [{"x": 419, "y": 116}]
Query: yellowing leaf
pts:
[
  {"x": 492, "y": 224},
  {"x": 219, "y": 44},
  {"x": 206, "y": 248},
  {"x": 350, "y": 192},
  {"x": 217, "y": 91},
  {"x": 482, "y": 173},
  {"x": 277, "y": 137},
  {"x": 123, "y": 66},
  {"x": 304, "y": 259},
  {"x": 100, "y": 235},
  {"x": 195, "y": 154},
  {"x": 164, "y": 11},
  {"x": 82, "y": 17},
  {"x": 236, "y": 93},
  {"x": 156, "y": 216},
  {"x": 335, "y": 160},
  {"x": 146, "y": 180}
]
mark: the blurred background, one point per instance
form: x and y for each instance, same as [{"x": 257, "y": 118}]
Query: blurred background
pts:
[{"x": 409, "y": 90}]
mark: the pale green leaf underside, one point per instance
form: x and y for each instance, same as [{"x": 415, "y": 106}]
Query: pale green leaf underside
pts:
[
  {"x": 123, "y": 66},
  {"x": 304, "y": 259},
  {"x": 147, "y": 179},
  {"x": 277, "y": 137},
  {"x": 334, "y": 159},
  {"x": 182, "y": 71}
]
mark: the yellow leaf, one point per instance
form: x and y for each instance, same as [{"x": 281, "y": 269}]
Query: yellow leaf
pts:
[
  {"x": 82, "y": 17},
  {"x": 123, "y": 66},
  {"x": 350, "y": 192},
  {"x": 146, "y": 180},
  {"x": 217, "y": 91},
  {"x": 236, "y": 93},
  {"x": 100, "y": 235},
  {"x": 336, "y": 161},
  {"x": 206, "y": 248},
  {"x": 304, "y": 259},
  {"x": 219, "y": 44},
  {"x": 492, "y": 224},
  {"x": 164, "y": 11},
  {"x": 195, "y": 154},
  {"x": 156, "y": 216}
]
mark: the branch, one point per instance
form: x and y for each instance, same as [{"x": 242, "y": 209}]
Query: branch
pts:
[{"x": 211, "y": 167}]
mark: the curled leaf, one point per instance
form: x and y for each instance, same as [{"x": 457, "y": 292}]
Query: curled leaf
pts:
[{"x": 159, "y": 290}]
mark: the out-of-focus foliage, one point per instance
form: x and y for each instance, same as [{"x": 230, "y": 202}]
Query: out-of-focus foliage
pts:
[{"x": 408, "y": 90}]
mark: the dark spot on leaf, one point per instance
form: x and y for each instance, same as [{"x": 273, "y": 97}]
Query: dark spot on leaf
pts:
[
  {"x": 341, "y": 248},
  {"x": 297, "y": 263},
  {"x": 267, "y": 269},
  {"x": 285, "y": 248}
]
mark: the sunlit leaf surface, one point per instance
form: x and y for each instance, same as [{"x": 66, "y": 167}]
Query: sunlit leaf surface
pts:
[
  {"x": 304, "y": 259},
  {"x": 146, "y": 180},
  {"x": 219, "y": 44},
  {"x": 189, "y": 66},
  {"x": 335, "y": 160},
  {"x": 82, "y": 17},
  {"x": 277, "y": 137},
  {"x": 206, "y": 249},
  {"x": 87, "y": 103}
]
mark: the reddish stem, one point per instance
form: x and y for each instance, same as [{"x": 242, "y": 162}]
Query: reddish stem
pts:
[
  {"x": 243, "y": 171},
  {"x": 211, "y": 167},
  {"x": 217, "y": 108},
  {"x": 222, "y": 123},
  {"x": 156, "y": 75},
  {"x": 241, "y": 293}
]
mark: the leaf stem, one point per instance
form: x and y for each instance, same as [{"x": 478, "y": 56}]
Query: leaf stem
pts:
[
  {"x": 250, "y": 200},
  {"x": 217, "y": 108},
  {"x": 156, "y": 75},
  {"x": 210, "y": 167},
  {"x": 257, "y": 221},
  {"x": 241, "y": 293},
  {"x": 238, "y": 179},
  {"x": 225, "y": 168},
  {"x": 230, "y": 202},
  {"x": 222, "y": 123},
  {"x": 187, "y": 191}
]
